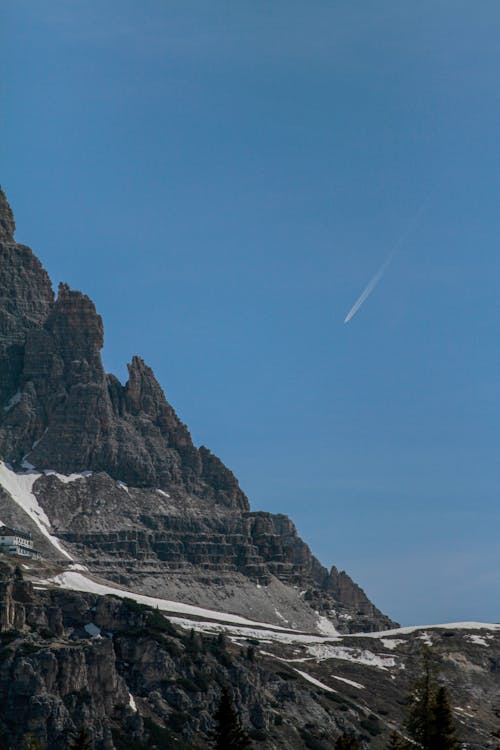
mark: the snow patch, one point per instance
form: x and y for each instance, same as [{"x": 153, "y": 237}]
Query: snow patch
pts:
[
  {"x": 391, "y": 643},
  {"x": 122, "y": 486},
  {"x": 407, "y": 630},
  {"x": 315, "y": 682},
  {"x": 464, "y": 712},
  {"x": 165, "y": 494},
  {"x": 278, "y": 614},
  {"x": 131, "y": 703},
  {"x": 426, "y": 638},
  {"x": 20, "y": 488},
  {"x": 349, "y": 682},
  {"x": 67, "y": 478},
  {"x": 326, "y": 626},
  {"x": 16, "y": 398},
  {"x": 322, "y": 651},
  {"x": 479, "y": 640}
]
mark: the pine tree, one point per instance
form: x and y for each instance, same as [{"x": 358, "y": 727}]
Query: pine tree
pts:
[
  {"x": 430, "y": 722},
  {"x": 443, "y": 735},
  {"x": 421, "y": 703},
  {"x": 229, "y": 734},
  {"x": 346, "y": 742}
]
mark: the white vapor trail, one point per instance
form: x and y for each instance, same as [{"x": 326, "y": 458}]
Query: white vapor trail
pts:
[
  {"x": 369, "y": 289},
  {"x": 383, "y": 268}
]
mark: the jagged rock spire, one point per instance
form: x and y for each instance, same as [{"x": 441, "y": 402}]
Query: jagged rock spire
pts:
[{"x": 7, "y": 223}]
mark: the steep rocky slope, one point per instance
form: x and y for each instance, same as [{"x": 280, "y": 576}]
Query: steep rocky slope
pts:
[
  {"x": 135, "y": 679},
  {"x": 111, "y": 471}
]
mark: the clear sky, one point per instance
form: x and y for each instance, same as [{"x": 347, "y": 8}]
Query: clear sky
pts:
[{"x": 223, "y": 179}]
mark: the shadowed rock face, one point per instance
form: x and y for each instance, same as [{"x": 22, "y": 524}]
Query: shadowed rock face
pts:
[{"x": 59, "y": 410}]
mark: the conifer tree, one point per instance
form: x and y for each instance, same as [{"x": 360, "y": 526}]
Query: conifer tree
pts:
[
  {"x": 430, "y": 721},
  {"x": 421, "y": 703},
  {"x": 443, "y": 735},
  {"x": 228, "y": 733}
]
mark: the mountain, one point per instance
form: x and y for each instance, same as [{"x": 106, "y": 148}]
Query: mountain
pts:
[
  {"x": 106, "y": 474},
  {"x": 75, "y": 653},
  {"x": 156, "y": 585}
]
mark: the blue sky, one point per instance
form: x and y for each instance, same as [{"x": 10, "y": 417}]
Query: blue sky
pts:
[{"x": 223, "y": 179}]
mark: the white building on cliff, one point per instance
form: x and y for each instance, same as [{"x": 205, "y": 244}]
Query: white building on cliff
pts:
[{"x": 16, "y": 542}]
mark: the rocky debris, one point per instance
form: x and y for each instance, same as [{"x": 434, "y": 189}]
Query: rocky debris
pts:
[{"x": 156, "y": 507}]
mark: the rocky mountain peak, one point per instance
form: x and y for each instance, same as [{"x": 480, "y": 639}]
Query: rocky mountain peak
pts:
[
  {"x": 59, "y": 409},
  {"x": 149, "y": 509},
  {"x": 7, "y": 223}
]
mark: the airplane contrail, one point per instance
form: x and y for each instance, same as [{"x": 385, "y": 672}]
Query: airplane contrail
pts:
[
  {"x": 383, "y": 268},
  {"x": 369, "y": 289}
]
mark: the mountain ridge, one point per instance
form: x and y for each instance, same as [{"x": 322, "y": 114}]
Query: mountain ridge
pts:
[{"x": 152, "y": 503}]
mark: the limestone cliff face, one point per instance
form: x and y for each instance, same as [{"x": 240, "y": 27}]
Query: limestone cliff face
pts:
[{"x": 59, "y": 410}]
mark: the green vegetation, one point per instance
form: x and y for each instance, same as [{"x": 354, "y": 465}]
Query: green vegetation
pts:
[
  {"x": 228, "y": 733},
  {"x": 430, "y": 723}
]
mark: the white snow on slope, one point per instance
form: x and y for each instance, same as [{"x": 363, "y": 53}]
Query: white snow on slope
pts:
[
  {"x": 67, "y": 478},
  {"x": 322, "y": 651},
  {"x": 415, "y": 628},
  {"x": 20, "y": 488},
  {"x": 263, "y": 636},
  {"x": 78, "y": 582},
  {"x": 391, "y": 643},
  {"x": 349, "y": 682},
  {"x": 326, "y": 627},
  {"x": 479, "y": 640},
  {"x": 16, "y": 398},
  {"x": 278, "y": 614},
  {"x": 131, "y": 703},
  {"x": 317, "y": 683}
]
